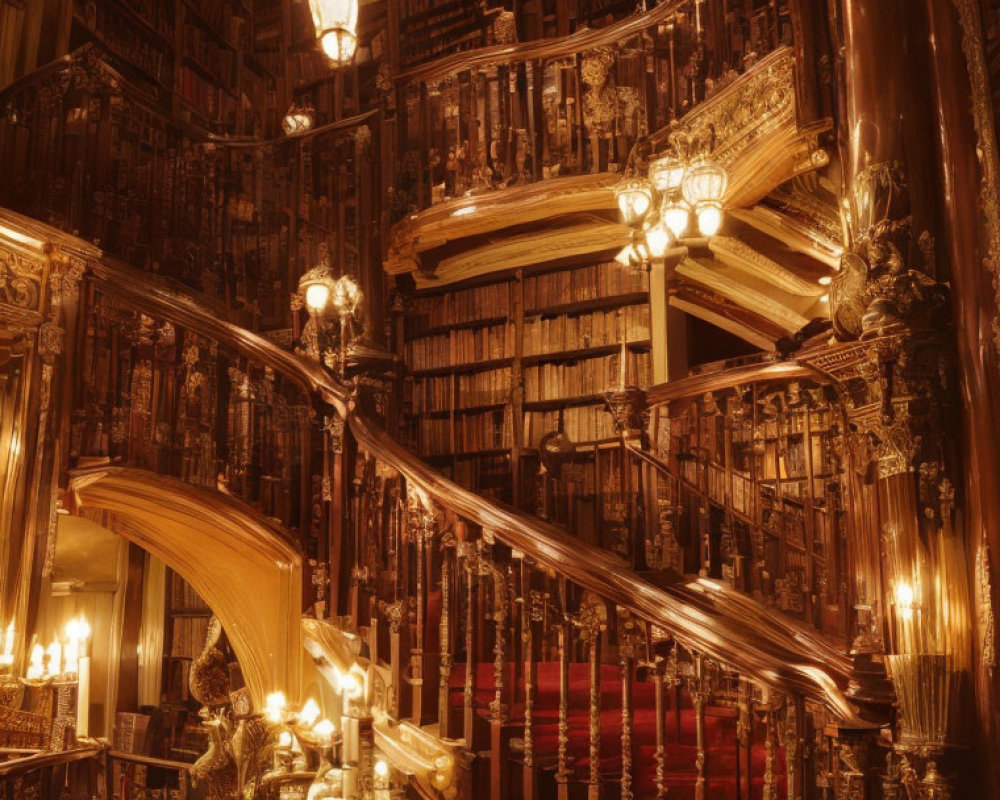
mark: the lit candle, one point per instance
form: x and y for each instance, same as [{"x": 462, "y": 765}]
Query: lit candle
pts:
[
  {"x": 71, "y": 653},
  {"x": 55, "y": 657},
  {"x": 274, "y": 706},
  {"x": 309, "y": 713},
  {"x": 36, "y": 667},
  {"x": 7, "y": 658},
  {"x": 83, "y": 679}
]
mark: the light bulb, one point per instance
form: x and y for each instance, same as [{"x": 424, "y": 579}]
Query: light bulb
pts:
[
  {"x": 317, "y": 296},
  {"x": 676, "y": 217},
  {"x": 658, "y": 239},
  {"x": 382, "y": 768},
  {"x": 339, "y": 45},
  {"x": 825, "y": 280},
  {"x": 709, "y": 219},
  {"x": 635, "y": 197}
]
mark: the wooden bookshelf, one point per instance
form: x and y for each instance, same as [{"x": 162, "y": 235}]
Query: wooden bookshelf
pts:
[
  {"x": 496, "y": 366},
  {"x": 759, "y": 464},
  {"x": 185, "y": 629}
]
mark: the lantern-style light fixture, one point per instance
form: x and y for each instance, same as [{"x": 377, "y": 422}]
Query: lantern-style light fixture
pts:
[
  {"x": 298, "y": 119},
  {"x": 679, "y": 184},
  {"x": 635, "y": 198},
  {"x": 336, "y": 23},
  {"x": 658, "y": 238},
  {"x": 703, "y": 187},
  {"x": 317, "y": 286},
  {"x": 666, "y": 173}
]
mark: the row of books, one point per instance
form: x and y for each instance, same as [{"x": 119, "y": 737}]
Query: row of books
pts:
[
  {"x": 579, "y": 424},
  {"x": 585, "y": 377},
  {"x": 467, "y": 305},
  {"x": 200, "y": 46},
  {"x": 121, "y": 36},
  {"x": 578, "y": 331},
  {"x": 583, "y": 283},
  {"x": 463, "y": 346},
  {"x": 183, "y": 597},
  {"x": 158, "y": 13},
  {"x": 188, "y": 636},
  {"x": 471, "y": 433},
  {"x": 474, "y": 389},
  {"x": 205, "y": 96},
  {"x": 217, "y": 15}
]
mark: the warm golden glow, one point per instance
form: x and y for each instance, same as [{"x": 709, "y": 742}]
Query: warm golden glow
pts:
[
  {"x": 336, "y": 23},
  {"x": 317, "y": 295},
  {"x": 904, "y": 596},
  {"x": 324, "y": 729},
  {"x": 297, "y": 120},
  {"x": 677, "y": 217},
  {"x": 274, "y": 706},
  {"x": 666, "y": 173},
  {"x": 658, "y": 239},
  {"x": 635, "y": 198},
  {"x": 709, "y": 219},
  {"x": 309, "y": 713}
]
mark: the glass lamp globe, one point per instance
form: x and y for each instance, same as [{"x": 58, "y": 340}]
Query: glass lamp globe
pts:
[
  {"x": 658, "y": 238},
  {"x": 317, "y": 285},
  {"x": 666, "y": 173},
  {"x": 704, "y": 181},
  {"x": 336, "y": 23},
  {"x": 677, "y": 217},
  {"x": 297, "y": 120},
  {"x": 709, "y": 218},
  {"x": 635, "y": 198}
]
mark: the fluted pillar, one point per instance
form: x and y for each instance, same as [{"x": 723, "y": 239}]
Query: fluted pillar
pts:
[{"x": 892, "y": 298}]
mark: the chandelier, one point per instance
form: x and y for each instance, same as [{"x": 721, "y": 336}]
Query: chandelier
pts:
[
  {"x": 336, "y": 23},
  {"x": 681, "y": 183}
]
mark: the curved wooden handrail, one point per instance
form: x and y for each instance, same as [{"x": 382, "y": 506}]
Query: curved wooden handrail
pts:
[
  {"x": 702, "y": 614},
  {"x": 540, "y": 49},
  {"x": 33, "y": 763}
]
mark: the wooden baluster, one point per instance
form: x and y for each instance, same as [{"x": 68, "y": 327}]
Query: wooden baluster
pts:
[
  {"x": 448, "y": 542},
  {"x": 698, "y": 698},
  {"x": 661, "y": 729},
  {"x": 498, "y": 709},
  {"x": 469, "y": 690},
  {"x": 790, "y": 738},
  {"x": 565, "y": 645},
  {"x": 770, "y": 750},
  {"x": 630, "y": 646},
  {"x": 422, "y": 531},
  {"x": 592, "y": 621},
  {"x": 532, "y": 611},
  {"x": 744, "y": 739}
]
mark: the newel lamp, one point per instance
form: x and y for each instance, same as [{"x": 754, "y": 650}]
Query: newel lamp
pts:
[
  {"x": 317, "y": 285},
  {"x": 336, "y": 23}
]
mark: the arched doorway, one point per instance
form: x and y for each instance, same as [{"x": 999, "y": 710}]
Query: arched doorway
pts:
[{"x": 241, "y": 563}]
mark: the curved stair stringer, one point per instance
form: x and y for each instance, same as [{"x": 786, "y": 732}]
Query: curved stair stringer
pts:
[{"x": 702, "y": 615}]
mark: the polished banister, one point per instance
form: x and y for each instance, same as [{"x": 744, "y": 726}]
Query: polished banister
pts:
[
  {"x": 33, "y": 763},
  {"x": 702, "y": 615}
]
